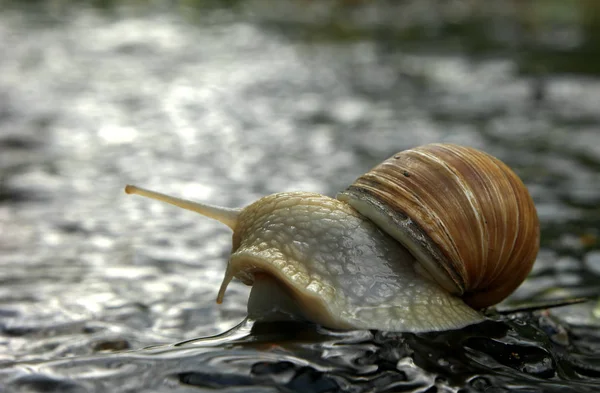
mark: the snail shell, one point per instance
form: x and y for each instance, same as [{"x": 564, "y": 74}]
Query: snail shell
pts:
[
  {"x": 464, "y": 214},
  {"x": 418, "y": 243}
]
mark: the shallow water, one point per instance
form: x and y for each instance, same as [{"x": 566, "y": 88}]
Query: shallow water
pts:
[{"x": 225, "y": 107}]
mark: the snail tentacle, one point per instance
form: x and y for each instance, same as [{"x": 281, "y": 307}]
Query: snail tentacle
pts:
[{"x": 227, "y": 216}]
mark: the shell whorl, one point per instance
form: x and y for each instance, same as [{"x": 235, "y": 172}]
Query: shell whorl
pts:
[{"x": 465, "y": 215}]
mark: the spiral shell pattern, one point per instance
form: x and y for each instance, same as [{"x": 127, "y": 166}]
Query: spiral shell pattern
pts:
[{"x": 465, "y": 215}]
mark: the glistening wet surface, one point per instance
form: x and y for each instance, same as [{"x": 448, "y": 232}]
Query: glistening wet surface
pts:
[{"x": 101, "y": 291}]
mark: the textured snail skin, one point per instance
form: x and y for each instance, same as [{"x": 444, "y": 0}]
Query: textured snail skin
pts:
[{"x": 342, "y": 271}]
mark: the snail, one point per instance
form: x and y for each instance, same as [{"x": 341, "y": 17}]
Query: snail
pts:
[{"x": 422, "y": 242}]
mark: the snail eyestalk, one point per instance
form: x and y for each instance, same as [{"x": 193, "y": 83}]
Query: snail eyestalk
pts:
[{"x": 224, "y": 215}]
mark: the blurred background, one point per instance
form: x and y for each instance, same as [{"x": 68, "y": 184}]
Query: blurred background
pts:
[{"x": 226, "y": 101}]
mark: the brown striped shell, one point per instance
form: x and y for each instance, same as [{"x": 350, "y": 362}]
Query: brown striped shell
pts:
[{"x": 465, "y": 215}]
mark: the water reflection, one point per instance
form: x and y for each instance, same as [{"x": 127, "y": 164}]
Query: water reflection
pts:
[{"x": 298, "y": 357}]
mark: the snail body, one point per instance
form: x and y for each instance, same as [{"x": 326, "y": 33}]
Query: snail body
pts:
[{"x": 393, "y": 251}]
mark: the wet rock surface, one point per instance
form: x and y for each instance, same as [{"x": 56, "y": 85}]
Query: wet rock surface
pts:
[
  {"x": 502, "y": 355},
  {"x": 224, "y": 107}
]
